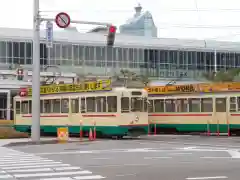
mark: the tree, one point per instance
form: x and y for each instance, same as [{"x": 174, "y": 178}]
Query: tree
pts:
[{"x": 223, "y": 76}]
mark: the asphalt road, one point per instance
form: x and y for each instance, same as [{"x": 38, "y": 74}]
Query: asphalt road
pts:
[{"x": 153, "y": 158}]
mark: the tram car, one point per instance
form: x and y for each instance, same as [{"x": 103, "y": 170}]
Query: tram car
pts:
[
  {"x": 212, "y": 108},
  {"x": 114, "y": 112}
]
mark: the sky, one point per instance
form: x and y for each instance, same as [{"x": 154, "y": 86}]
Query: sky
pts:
[{"x": 192, "y": 19}]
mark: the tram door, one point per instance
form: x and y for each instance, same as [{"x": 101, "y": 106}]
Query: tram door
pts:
[
  {"x": 3, "y": 105},
  {"x": 221, "y": 116}
]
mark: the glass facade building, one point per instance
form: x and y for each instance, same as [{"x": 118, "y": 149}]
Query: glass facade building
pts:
[{"x": 102, "y": 60}]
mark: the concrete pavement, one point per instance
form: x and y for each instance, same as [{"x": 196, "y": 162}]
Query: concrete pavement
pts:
[{"x": 128, "y": 159}]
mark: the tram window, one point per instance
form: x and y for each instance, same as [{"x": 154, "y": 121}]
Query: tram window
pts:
[
  {"x": 170, "y": 105},
  {"x": 101, "y": 104},
  {"x": 112, "y": 103},
  {"x": 75, "y": 105},
  {"x": 24, "y": 107},
  {"x": 220, "y": 104},
  {"x": 159, "y": 105},
  {"x": 194, "y": 105},
  {"x": 56, "y": 105},
  {"x": 233, "y": 104},
  {"x": 46, "y": 106},
  {"x": 18, "y": 110},
  {"x": 182, "y": 105},
  {"x": 150, "y": 106},
  {"x": 238, "y": 102},
  {"x": 30, "y": 107},
  {"x": 136, "y": 104},
  {"x": 125, "y": 104},
  {"x": 65, "y": 105},
  {"x": 83, "y": 105},
  {"x": 41, "y": 106},
  {"x": 145, "y": 104},
  {"x": 91, "y": 104},
  {"x": 206, "y": 105}
]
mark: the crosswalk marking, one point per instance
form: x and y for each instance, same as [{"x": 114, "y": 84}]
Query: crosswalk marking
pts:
[
  {"x": 35, "y": 166},
  {"x": 51, "y": 174},
  {"x": 15, "y": 164}
]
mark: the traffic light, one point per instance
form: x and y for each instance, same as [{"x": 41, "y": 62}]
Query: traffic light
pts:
[
  {"x": 20, "y": 74},
  {"x": 111, "y": 35}
]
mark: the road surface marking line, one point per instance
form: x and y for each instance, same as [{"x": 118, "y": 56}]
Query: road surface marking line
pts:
[
  {"x": 30, "y": 170},
  {"x": 66, "y": 168},
  {"x": 21, "y": 159},
  {"x": 88, "y": 177},
  {"x": 200, "y": 178},
  {"x": 157, "y": 157},
  {"x": 180, "y": 153},
  {"x": 5, "y": 176},
  {"x": 122, "y": 175},
  {"x": 35, "y": 166},
  {"x": 101, "y": 158},
  {"x": 63, "y": 178},
  {"x": 28, "y": 163},
  {"x": 116, "y": 165},
  {"x": 51, "y": 174},
  {"x": 216, "y": 157},
  {"x": 234, "y": 154}
]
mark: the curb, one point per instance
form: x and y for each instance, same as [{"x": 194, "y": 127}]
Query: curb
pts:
[{"x": 44, "y": 142}]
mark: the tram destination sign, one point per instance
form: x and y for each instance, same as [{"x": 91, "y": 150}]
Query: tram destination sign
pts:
[{"x": 91, "y": 86}]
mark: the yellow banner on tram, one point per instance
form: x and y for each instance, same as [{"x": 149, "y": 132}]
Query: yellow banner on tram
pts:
[
  {"x": 194, "y": 88},
  {"x": 90, "y": 86}
]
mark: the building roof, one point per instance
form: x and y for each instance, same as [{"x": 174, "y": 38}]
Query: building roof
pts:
[{"x": 122, "y": 40}]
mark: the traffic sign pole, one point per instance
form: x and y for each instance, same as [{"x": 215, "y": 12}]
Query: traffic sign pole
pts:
[
  {"x": 35, "y": 129},
  {"x": 63, "y": 21}
]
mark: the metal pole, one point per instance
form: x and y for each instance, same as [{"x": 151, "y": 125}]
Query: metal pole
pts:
[{"x": 35, "y": 131}]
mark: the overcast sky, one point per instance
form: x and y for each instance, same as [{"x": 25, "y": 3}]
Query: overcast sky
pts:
[{"x": 197, "y": 19}]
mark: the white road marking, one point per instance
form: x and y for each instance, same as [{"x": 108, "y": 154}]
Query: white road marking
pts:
[
  {"x": 21, "y": 165},
  {"x": 234, "y": 154},
  {"x": 89, "y": 177},
  {"x": 66, "y": 168},
  {"x": 30, "y": 170},
  {"x": 216, "y": 157},
  {"x": 52, "y": 174},
  {"x": 35, "y": 166},
  {"x": 28, "y": 164},
  {"x": 63, "y": 178},
  {"x": 5, "y": 176},
  {"x": 24, "y": 161},
  {"x": 122, "y": 175},
  {"x": 180, "y": 153},
  {"x": 200, "y": 178},
  {"x": 101, "y": 158},
  {"x": 116, "y": 165},
  {"x": 157, "y": 157}
]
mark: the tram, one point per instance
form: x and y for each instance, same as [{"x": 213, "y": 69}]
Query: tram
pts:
[
  {"x": 114, "y": 112},
  {"x": 195, "y": 108}
]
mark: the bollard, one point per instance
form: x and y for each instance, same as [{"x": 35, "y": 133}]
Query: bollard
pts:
[
  {"x": 155, "y": 129},
  {"x": 218, "y": 133},
  {"x": 228, "y": 125},
  {"x": 208, "y": 129},
  {"x": 81, "y": 131},
  {"x": 94, "y": 131},
  {"x": 149, "y": 129}
]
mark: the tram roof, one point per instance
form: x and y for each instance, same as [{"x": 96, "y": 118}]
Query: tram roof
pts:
[{"x": 99, "y": 39}]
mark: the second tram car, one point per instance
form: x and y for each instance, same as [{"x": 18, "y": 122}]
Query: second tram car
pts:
[{"x": 197, "y": 109}]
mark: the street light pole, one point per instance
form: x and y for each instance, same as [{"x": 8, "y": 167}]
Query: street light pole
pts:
[{"x": 35, "y": 130}]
